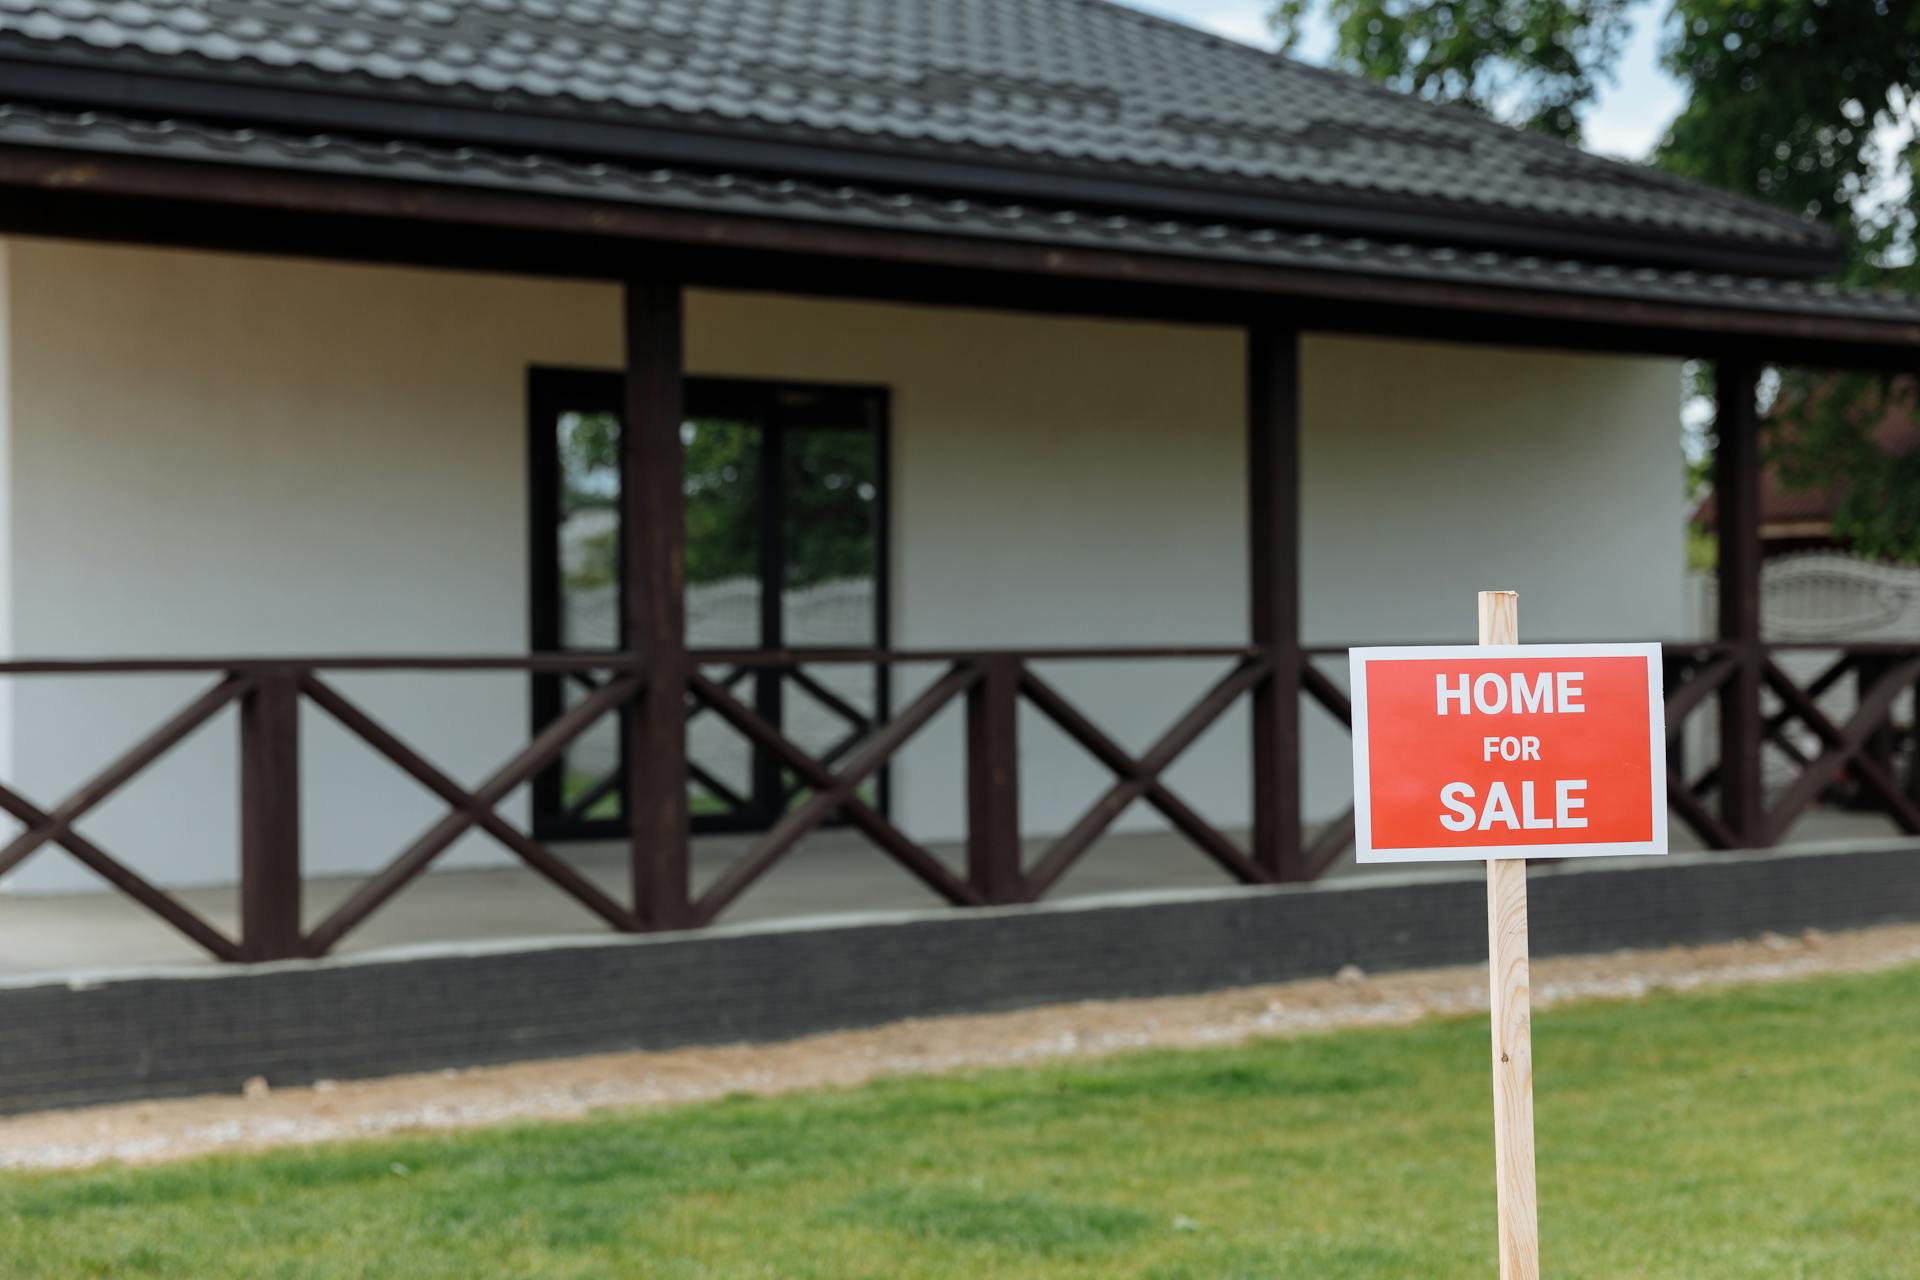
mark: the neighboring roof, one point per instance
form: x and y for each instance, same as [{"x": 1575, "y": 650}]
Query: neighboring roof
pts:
[
  {"x": 1797, "y": 514},
  {"x": 748, "y": 195},
  {"x": 1078, "y": 103}
]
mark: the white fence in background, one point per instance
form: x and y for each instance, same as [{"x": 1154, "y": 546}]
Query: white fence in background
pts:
[
  {"x": 726, "y": 614},
  {"x": 1812, "y": 597},
  {"x": 1823, "y": 595}
]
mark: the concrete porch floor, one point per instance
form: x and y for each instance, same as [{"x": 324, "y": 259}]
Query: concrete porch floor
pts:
[{"x": 835, "y": 873}]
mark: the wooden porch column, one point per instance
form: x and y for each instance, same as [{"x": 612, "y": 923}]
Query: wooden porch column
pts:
[
  {"x": 993, "y": 781},
  {"x": 1736, "y": 487},
  {"x": 1273, "y": 557},
  {"x": 270, "y": 818},
  {"x": 653, "y": 566}
]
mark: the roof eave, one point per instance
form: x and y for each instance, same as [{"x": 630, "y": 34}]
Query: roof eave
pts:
[
  {"x": 77, "y": 86},
  {"x": 50, "y": 183}
]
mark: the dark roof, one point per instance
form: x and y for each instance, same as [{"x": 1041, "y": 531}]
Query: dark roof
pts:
[
  {"x": 906, "y": 210},
  {"x": 1079, "y": 103}
]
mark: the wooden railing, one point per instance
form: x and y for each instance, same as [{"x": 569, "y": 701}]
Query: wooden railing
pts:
[
  {"x": 1829, "y": 733},
  {"x": 1840, "y": 729},
  {"x": 992, "y": 684},
  {"x": 269, "y": 694}
]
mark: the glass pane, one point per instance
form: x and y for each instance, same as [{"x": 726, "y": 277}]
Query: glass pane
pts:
[
  {"x": 828, "y": 598},
  {"x": 589, "y": 451},
  {"x": 587, "y": 446},
  {"x": 722, "y": 494},
  {"x": 831, "y": 496},
  {"x": 829, "y": 499}
]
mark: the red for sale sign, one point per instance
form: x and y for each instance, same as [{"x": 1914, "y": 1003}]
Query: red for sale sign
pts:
[{"x": 1508, "y": 751}]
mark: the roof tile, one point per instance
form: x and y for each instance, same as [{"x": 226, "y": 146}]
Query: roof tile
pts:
[{"x": 1031, "y": 83}]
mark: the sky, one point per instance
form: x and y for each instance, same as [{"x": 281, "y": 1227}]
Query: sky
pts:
[{"x": 1627, "y": 119}]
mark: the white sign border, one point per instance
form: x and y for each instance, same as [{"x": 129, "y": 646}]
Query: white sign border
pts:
[{"x": 1366, "y": 854}]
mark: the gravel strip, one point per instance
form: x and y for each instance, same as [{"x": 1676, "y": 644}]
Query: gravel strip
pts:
[{"x": 258, "y": 1118}]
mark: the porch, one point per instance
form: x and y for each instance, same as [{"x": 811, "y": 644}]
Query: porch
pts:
[
  {"x": 1109, "y": 661},
  {"x": 1833, "y": 754},
  {"x": 1080, "y": 590}
]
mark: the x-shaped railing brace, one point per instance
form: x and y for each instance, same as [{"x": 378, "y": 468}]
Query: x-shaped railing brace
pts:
[
  {"x": 609, "y": 783},
  {"x": 57, "y": 825},
  {"x": 1843, "y": 745},
  {"x": 1683, "y": 795},
  {"x": 1140, "y": 777},
  {"x": 836, "y": 791},
  {"x": 469, "y": 809}
]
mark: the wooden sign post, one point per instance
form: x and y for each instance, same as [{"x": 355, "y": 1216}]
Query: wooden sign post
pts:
[
  {"x": 1493, "y": 752},
  {"x": 1510, "y": 986}
]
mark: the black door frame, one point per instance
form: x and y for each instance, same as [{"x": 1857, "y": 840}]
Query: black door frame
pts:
[{"x": 776, "y": 407}]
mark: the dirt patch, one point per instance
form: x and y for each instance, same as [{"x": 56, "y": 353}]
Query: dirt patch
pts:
[{"x": 259, "y": 1118}]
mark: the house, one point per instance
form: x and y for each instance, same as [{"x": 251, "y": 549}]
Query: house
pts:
[{"x": 1109, "y": 376}]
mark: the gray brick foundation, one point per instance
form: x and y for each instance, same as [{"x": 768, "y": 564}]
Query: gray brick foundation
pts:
[{"x": 63, "y": 1044}]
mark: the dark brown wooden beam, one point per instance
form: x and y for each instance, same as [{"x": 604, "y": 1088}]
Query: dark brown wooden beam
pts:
[
  {"x": 1736, "y": 485},
  {"x": 1694, "y": 690},
  {"x": 654, "y": 559},
  {"x": 944, "y": 657},
  {"x": 854, "y": 716},
  {"x": 270, "y": 817},
  {"x": 1273, "y": 592},
  {"x": 746, "y": 659},
  {"x": 715, "y": 787},
  {"x": 993, "y": 781},
  {"x": 605, "y": 785},
  {"x": 1913, "y": 732},
  {"x": 1680, "y": 796},
  {"x": 1328, "y": 694},
  {"x": 242, "y": 666},
  {"x": 1333, "y": 840}
]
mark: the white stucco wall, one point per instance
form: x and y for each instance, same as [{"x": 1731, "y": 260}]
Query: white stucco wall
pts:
[
  {"x": 1056, "y": 482},
  {"x": 1063, "y": 482},
  {"x": 1433, "y": 472},
  {"x": 234, "y": 455},
  {"x": 222, "y": 454}
]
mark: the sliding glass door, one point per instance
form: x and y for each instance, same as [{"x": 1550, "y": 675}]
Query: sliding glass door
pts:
[{"x": 784, "y": 486}]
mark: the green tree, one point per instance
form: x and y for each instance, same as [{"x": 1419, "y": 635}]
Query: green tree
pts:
[
  {"x": 1534, "y": 63},
  {"x": 721, "y": 490},
  {"x": 829, "y": 515},
  {"x": 1788, "y": 101},
  {"x": 829, "y": 495}
]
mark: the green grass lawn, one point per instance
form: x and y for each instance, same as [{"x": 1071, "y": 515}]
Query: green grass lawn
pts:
[{"x": 1772, "y": 1132}]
